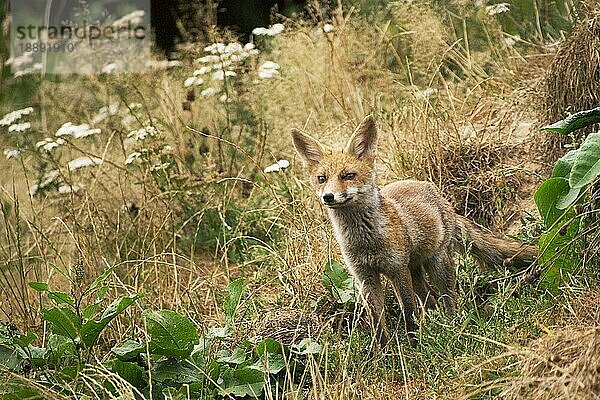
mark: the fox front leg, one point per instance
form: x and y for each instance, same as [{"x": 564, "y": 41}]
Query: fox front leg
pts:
[{"x": 371, "y": 291}]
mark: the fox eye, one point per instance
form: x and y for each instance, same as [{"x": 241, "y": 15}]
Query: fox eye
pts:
[
  {"x": 349, "y": 176},
  {"x": 321, "y": 178}
]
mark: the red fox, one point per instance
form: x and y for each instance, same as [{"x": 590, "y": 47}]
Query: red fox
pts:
[{"x": 405, "y": 231}]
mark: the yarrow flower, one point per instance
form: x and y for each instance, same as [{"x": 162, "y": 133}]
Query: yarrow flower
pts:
[
  {"x": 109, "y": 68},
  {"x": 49, "y": 178},
  {"x": 278, "y": 166},
  {"x": 11, "y": 153},
  {"x": 48, "y": 144},
  {"x": 84, "y": 161},
  {"x": 497, "y": 9},
  {"x": 132, "y": 157},
  {"x": 273, "y": 30},
  {"x": 19, "y": 127},
  {"x": 425, "y": 94},
  {"x": 208, "y": 92},
  {"x": 327, "y": 28},
  {"x": 142, "y": 133},
  {"x": 77, "y": 131},
  {"x": 13, "y": 116},
  {"x": 193, "y": 80},
  {"x": 66, "y": 189},
  {"x": 268, "y": 70}
]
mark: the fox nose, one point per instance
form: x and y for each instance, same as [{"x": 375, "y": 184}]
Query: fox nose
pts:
[{"x": 328, "y": 197}]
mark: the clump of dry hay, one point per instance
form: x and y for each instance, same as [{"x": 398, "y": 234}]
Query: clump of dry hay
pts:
[
  {"x": 572, "y": 82},
  {"x": 564, "y": 365},
  {"x": 289, "y": 325}
]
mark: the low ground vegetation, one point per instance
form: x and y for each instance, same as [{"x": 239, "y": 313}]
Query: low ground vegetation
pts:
[{"x": 159, "y": 239}]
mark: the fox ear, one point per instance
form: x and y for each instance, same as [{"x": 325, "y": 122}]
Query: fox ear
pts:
[
  {"x": 364, "y": 139},
  {"x": 308, "y": 148}
]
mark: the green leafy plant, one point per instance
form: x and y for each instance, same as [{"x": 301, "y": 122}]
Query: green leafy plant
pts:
[
  {"x": 339, "y": 283},
  {"x": 572, "y": 178}
]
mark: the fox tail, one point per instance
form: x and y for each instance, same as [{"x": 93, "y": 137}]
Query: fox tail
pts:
[{"x": 491, "y": 250}]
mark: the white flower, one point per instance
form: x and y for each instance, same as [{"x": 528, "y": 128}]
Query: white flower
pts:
[
  {"x": 271, "y": 31},
  {"x": 66, "y": 189},
  {"x": 223, "y": 98},
  {"x": 142, "y": 133},
  {"x": 215, "y": 48},
  {"x": 48, "y": 144},
  {"x": 497, "y": 9},
  {"x": 166, "y": 148},
  {"x": 47, "y": 179},
  {"x": 220, "y": 75},
  {"x": 425, "y": 94},
  {"x": 109, "y": 68},
  {"x": 193, "y": 80},
  {"x": 202, "y": 71},
  {"x": 509, "y": 41},
  {"x": 268, "y": 69},
  {"x": 22, "y": 60},
  {"x": 208, "y": 59},
  {"x": 208, "y": 92},
  {"x": 11, "y": 153},
  {"x": 158, "y": 167},
  {"x": 327, "y": 28},
  {"x": 133, "y": 18},
  {"x": 77, "y": 131},
  {"x": 81, "y": 162},
  {"x": 19, "y": 127},
  {"x": 13, "y": 116},
  {"x": 278, "y": 166},
  {"x": 249, "y": 46},
  {"x": 132, "y": 157}
]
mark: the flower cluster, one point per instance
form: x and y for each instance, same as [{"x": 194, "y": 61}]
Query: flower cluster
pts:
[
  {"x": 219, "y": 65},
  {"x": 497, "y": 9},
  {"x": 76, "y": 131},
  {"x": 13, "y": 116},
  {"x": 268, "y": 69},
  {"x": 273, "y": 30}
]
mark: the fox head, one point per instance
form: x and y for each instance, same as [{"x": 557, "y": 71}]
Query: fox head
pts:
[{"x": 341, "y": 177}]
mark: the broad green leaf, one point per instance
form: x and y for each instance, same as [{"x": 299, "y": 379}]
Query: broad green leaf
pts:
[
  {"x": 100, "y": 279},
  {"x": 60, "y": 351},
  {"x": 232, "y": 301},
  {"x": 176, "y": 372},
  {"x": 243, "y": 382},
  {"x": 586, "y": 167},
  {"x": 547, "y": 197},
  {"x": 131, "y": 372},
  {"x": 61, "y": 298},
  {"x": 25, "y": 339},
  {"x": 172, "y": 334},
  {"x": 563, "y": 166},
  {"x": 129, "y": 350},
  {"x": 10, "y": 358},
  {"x": 12, "y": 389},
  {"x": 307, "y": 346},
  {"x": 39, "y": 286},
  {"x": 269, "y": 364},
  {"x": 91, "y": 329},
  {"x": 574, "y": 122},
  {"x": 64, "y": 321},
  {"x": 568, "y": 199},
  {"x": 558, "y": 255},
  {"x": 339, "y": 283},
  {"x": 237, "y": 357},
  {"x": 219, "y": 332},
  {"x": 268, "y": 345}
]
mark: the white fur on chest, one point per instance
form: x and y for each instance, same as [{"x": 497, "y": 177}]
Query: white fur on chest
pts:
[{"x": 361, "y": 233}]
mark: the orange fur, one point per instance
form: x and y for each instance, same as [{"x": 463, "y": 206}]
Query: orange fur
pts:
[{"x": 405, "y": 231}]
